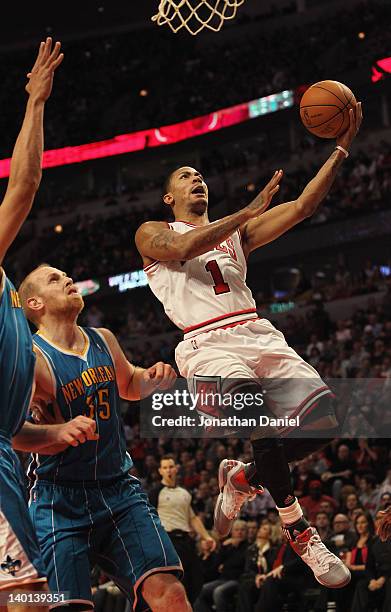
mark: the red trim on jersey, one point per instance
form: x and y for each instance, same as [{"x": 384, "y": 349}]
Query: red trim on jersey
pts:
[
  {"x": 149, "y": 266},
  {"x": 225, "y": 326},
  {"x": 221, "y": 318},
  {"x": 186, "y": 223},
  {"x": 312, "y": 398},
  {"x": 236, "y": 323}
]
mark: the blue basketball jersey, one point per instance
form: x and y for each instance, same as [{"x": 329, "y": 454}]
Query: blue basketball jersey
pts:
[
  {"x": 17, "y": 360},
  {"x": 85, "y": 384}
]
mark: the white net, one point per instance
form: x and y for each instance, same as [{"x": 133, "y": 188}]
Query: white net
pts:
[{"x": 195, "y": 15}]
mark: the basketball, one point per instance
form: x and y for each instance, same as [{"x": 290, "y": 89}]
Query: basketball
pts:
[{"x": 324, "y": 108}]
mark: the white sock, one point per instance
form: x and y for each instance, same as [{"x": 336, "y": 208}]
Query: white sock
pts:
[{"x": 291, "y": 514}]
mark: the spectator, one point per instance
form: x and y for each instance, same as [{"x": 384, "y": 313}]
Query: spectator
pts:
[
  {"x": 341, "y": 471},
  {"x": 343, "y": 537},
  {"x": 252, "y": 530},
  {"x": 273, "y": 519},
  {"x": 259, "y": 559},
  {"x": 356, "y": 559},
  {"x": 287, "y": 576},
  {"x": 375, "y": 589},
  {"x": 369, "y": 494},
  {"x": 230, "y": 565},
  {"x": 312, "y": 503},
  {"x": 385, "y": 486},
  {"x": 208, "y": 558},
  {"x": 366, "y": 457},
  {"x": 322, "y": 524},
  {"x": 351, "y": 503},
  {"x": 384, "y": 501}
]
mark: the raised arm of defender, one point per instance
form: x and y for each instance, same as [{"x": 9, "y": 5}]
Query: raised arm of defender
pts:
[
  {"x": 280, "y": 219},
  {"x": 155, "y": 241},
  {"x": 25, "y": 173}
]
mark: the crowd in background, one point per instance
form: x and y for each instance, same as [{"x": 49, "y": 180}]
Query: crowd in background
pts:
[
  {"x": 341, "y": 488},
  {"x": 93, "y": 245},
  {"x": 341, "y": 491},
  {"x": 99, "y": 89}
]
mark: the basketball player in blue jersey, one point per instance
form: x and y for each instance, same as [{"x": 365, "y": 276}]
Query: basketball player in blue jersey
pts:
[
  {"x": 197, "y": 269},
  {"x": 20, "y": 562},
  {"x": 85, "y": 507}
]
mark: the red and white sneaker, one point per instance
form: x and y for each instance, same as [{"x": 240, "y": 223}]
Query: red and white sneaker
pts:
[
  {"x": 234, "y": 492},
  {"x": 328, "y": 569}
]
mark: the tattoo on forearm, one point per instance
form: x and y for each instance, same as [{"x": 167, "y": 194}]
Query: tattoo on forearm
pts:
[
  {"x": 257, "y": 202},
  {"x": 162, "y": 240},
  {"x": 215, "y": 233},
  {"x": 200, "y": 239},
  {"x": 315, "y": 192},
  {"x": 337, "y": 162}
]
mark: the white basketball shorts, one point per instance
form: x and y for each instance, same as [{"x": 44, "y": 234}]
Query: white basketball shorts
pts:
[{"x": 253, "y": 350}]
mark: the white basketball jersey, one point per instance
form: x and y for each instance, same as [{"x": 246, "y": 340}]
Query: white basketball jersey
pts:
[{"x": 206, "y": 292}]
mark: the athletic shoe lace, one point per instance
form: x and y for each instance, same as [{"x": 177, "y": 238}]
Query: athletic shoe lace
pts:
[
  {"x": 317, "y": 554},
  {"x": 238, "y": 500},
  {"x": 234, "y": 500}
]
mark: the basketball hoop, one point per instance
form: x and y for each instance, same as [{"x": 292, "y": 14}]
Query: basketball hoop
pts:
[{"x": 195, "y": 15}]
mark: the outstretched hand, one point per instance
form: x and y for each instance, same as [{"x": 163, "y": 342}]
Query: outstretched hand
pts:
[
  {"x": 40, "y": 79},
  {"x": 355, "y": 119},
  {"x": 159, "y": 376},
  {"x": 263, "y": 199}
]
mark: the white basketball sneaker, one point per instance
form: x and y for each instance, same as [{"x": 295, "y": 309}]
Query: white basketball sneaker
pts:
[
  {"x": 234, "y": 492},
  {"x": 328, "y": 569}
]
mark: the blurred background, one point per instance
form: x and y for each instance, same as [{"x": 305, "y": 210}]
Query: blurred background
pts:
[{"x": 326, "y": 284}]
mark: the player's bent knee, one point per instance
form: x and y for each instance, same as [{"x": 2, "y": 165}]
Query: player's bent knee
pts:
[
  {"x": 175, "y": 597},
  {"x": 163, "y": 592}
]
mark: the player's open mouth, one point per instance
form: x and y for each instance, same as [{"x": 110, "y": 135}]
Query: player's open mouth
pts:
[{"x": 198, "y": 191}]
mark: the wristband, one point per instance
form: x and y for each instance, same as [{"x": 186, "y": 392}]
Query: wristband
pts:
[{"x": 344, "y": 151}]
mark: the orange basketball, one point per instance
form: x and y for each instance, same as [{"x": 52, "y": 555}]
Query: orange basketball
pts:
[{"x": 324, "y": 108}]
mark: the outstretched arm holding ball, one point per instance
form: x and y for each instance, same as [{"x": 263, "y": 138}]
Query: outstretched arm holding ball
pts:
[{"x": 275, "y": 222}]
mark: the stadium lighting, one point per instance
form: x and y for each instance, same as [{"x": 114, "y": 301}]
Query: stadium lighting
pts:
[{"x": 166, "y": 135}]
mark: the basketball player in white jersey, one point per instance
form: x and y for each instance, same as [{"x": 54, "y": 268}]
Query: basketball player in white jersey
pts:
[{"x": 197, "y": 269}]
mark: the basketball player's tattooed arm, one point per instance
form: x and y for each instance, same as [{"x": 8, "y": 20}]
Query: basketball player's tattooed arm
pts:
[
  {"x": 281, "y": 218},
  {"x": 134, "y": 382},
  {"x": 25, "y": 172},
  {"x": 155, "y": 241}
]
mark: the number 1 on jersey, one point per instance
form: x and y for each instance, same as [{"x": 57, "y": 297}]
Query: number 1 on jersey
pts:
[{"x": 220, "y": 286}]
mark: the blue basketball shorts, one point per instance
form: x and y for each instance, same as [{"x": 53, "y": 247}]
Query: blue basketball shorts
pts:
[
  {"x": 20, "y": 558},
  {"x": 113, "y": 526}
]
